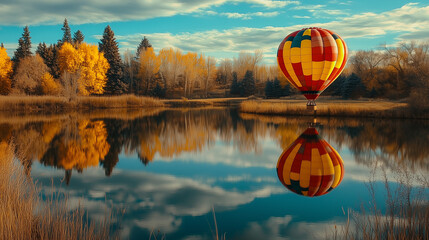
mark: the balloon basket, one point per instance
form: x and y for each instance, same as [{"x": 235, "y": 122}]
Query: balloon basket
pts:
[{"x": 312, "y": 107}]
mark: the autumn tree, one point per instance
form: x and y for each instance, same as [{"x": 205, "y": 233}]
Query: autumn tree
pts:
[
  {"x": 224, "y": 73},
  {"x": 208, "y": 74},
  {"x": 29, "y": 74},
  {"x": 246, "y": 62},
  {"x": 418, "y": 74},
  {"x": 109, "y": 47},
  {"x": 91, "y": 65},
  {"x": 5, "y": 72},
  {"x": 171, "y": 66},
  {"x": 131, "y": 70},
  {"x": 66, "y": 33},
  {"x": 193, "y": 67},
  {"x": 49, "y": 86},
  {"x": 149, "y": 67}
]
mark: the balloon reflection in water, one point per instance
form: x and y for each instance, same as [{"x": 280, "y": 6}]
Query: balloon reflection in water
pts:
[{"x": 310, "y": 166}]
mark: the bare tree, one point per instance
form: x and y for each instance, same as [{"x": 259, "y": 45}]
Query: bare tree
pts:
[{"x": 29, "y": 75}]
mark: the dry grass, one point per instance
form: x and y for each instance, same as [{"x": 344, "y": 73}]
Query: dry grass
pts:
[
  {"x": 61, "y": 104},
  {"x": 24, "y": 214},
  {"x": 406, "y": 215},
  {"x": 351, "y": 108},
  {"x": 124, "y": 101}
]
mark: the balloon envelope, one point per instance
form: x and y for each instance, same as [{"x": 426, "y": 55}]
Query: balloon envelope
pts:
[
  {"x": 311, "y": 59},
  {"x": 310, "y": 166}
]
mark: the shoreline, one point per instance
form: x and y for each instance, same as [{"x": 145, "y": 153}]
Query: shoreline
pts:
[
  {"x": 334, "y": 108},
  {"x": 326, "y": 106}
]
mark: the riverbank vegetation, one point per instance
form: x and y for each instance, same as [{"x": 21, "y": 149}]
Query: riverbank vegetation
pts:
[
  {"x": 28, "y": 212},
  {"x": 71, "y": 68},
  {"x": 333, "y": 107},
  {"x": 63, "y": 104}
]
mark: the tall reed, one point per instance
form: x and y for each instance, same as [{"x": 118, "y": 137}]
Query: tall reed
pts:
[
  {"x": 406, "y": 214},
  {"x": 27, "y": 213}
]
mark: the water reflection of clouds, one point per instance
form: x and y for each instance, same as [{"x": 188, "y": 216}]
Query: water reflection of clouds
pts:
[
  {"x": 152, "y": 200},
  {"x": 227, "y": 154}
]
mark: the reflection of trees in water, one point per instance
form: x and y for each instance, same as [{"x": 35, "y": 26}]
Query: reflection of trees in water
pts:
[
  {"x": 76, "y": 143},
  {"x": 79, "y": 145},
  {"x": 394, "y": 142}
]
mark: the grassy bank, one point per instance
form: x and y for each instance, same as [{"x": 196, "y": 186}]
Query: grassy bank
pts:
[
  {"x": 338, "y": 108},
  {"x": 62, "y": 104},
  {"x": 26, "y": 213}
]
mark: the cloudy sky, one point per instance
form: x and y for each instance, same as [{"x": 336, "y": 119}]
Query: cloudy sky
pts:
[{"x": 219, "y": 28}]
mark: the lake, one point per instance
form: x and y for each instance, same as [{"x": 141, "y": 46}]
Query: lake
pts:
[{"x": 172, "y": 171}]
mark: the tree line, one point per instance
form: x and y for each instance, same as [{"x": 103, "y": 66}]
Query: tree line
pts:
[{"x": 72, "y": 67}]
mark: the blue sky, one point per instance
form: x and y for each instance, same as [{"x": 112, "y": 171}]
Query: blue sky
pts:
[{"x": 219, "y": 28}]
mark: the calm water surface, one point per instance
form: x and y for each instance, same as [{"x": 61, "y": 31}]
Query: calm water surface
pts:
[{"x": 169, "y": 169}]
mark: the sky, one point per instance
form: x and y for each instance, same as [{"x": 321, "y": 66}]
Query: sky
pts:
[{"x": 218, "y": 28}]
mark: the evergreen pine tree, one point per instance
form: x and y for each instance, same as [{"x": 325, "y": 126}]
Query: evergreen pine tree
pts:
[
  {"x": 1, "y": 46},
  {"x": 144, "y": 45},
  {"x": 248, "y": 84},
  {"x": 24, "y": 46},
  {"x": 109, "y": 47},
  {"x": 78, "y": 37},
  {"x": 335, "y": 89},
  {"x": 286, "y": 90},
  {"x": 66, "y": 32},
  {"x": 23, "y": 50},
  {"x": 269, "y": 89},
  {"x": 50, "y": 57},
  {"x": 277, "y": 88},
  {"x": 158, "y": 91},
  {"x": 42, "y": 50},
  {"x": 235, "y": 90},
  {"x": 353, "y": 87}
]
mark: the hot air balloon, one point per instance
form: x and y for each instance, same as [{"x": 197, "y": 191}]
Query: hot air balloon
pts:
[
  {"x": 311, "y": 59},
  {"x": 310, "y": 166}
]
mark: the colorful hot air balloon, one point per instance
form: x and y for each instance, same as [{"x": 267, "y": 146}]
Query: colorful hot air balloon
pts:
[
  {"x": 310, "y": 166},
  {"x": 311, "y": 59}
]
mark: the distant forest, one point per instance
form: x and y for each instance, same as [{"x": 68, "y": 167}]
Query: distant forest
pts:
[{"x": 72, "y": 67}]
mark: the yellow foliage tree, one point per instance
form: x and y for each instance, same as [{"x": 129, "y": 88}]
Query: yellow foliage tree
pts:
[
  {"x": 91, "y": 65},
  {"x": 5, "y": 71},
  {"x": 49, "y": 85},
  {"x": 149, "y": 66}
]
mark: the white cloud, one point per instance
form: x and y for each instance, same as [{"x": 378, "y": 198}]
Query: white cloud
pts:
[
  {"x": 309, "y": 7},
  {"x": 327, "y": 12},
  {"x": 297, "y": 16},
  {"x": 247, "y": 16},
  {"x": 410, "y": 21},
  {"x": 270, "y": 3},
  {"x": 28, "y": 12}
]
